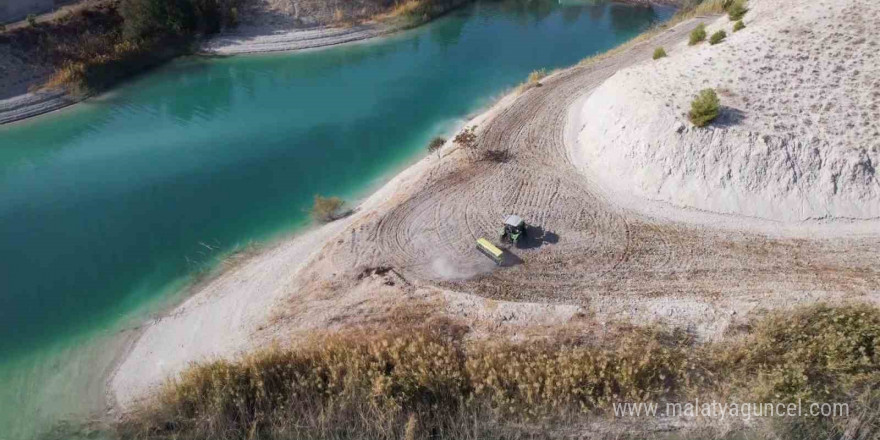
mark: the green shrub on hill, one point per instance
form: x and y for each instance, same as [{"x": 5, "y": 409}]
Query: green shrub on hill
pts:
[
  {"x": 737, "y": 10},
  {"x": 659, "y": 53},
  {"x": 31, "y": 20},
  {"x": 704, "y": 108},
  {"x": 738, "y": 26},
  {"x": 697, "y": 35},
  {"x": 717, "y": 37}
]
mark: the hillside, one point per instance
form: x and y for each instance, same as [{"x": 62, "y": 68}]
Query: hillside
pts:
[{"x": 798, "y": 137}]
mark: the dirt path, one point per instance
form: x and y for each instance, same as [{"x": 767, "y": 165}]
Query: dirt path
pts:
[{"x": 592, "y": 246}]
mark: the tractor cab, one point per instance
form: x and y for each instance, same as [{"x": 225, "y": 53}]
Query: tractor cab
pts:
[{"x": 514, "y": 228}]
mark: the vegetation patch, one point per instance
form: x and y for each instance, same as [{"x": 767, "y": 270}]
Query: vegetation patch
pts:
[
  {"x": 704, "y": 108},
  {"x": 737, "y": 10},
  {"x": 659, "y": 53},
  {"x": 534, "y": 80},
  {"x": 467, "y": 138},
  {"x": 738, "y": 26},
  {"x": 436, "y": 144},
  {"x": 698, "y": 35},
  {"x": 426, "y": 381},
  {"x": 327, "y": 209},
  {"x": 717, "y": 37},
  {"x": 93, "y": 48}
]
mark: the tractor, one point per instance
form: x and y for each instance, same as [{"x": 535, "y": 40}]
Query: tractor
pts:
[{"x": 514, "y": 228}]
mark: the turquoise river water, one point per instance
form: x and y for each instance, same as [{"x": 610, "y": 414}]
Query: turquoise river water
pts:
[{"x": 109, "y": 208}]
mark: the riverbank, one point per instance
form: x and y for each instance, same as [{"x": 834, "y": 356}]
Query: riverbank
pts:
[
  {"x": 23, "y": 93},
  {"x": 38, "y": 84},
  {"x": 587, "y": 256}
]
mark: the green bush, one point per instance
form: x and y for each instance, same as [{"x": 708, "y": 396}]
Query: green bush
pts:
[
  {"x": 659, "y": 53},
  {"x": 717, "y": 37},
  {"x": 736, "y": 11},
  {"x": 32, "y": 19},
  {"x": 698, "y": 35},
  {"x": 738, "y": 26},
  {"x": 704, "y": 108}
]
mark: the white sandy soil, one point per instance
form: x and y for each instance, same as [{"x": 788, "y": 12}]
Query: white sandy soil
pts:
[{"x": 799, "y": 134}]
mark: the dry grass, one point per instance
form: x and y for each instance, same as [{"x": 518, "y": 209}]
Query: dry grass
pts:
[
  {"x": 425, "y": 380},
  {"x": 408, "y": 13},
  {"x": 326, "y": 209}
]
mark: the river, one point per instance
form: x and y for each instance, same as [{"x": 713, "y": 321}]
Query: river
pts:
[{"x": 109, "y": 208}]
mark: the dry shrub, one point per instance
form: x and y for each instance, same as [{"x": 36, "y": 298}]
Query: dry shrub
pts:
[
  {"x": 466, "y": 138},
  {"x": 326, "y": 209},
  {"x": 424, "y": 381},
  {"x": 818, "y": 354},
  {"x": 537, "y": 381},
  {"x": 497, "y": 156},
  {"x": 534, "y": 80}
]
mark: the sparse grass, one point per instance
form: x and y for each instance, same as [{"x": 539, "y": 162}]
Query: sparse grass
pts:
[
  {"x": 537, "y": 75},
  {"x": 31, "y": 20},
  {"x": 427, "y": 381},
  {"x": 697, "y": 35},
  {"x": 410, "y": 13},
  {"x": 659, "y": 53},
  {"x": 533, "y": 80},
  {"x": 704, "y": 108},
  {"x": 738, "y": 26},
  {"x": 717, "y": 37},
  {"x": 326, "y": 209}
]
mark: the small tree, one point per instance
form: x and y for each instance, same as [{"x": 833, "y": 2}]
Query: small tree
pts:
[
  {"x": 704, "y": 108},
  {"x": 659, "y": 53},
  {"x": 736, "y": 11},
  {"x": 698, "y": 35},
  {"x": 435, "y": 144},
  {"x": 32, "y": 19},
  {"x": 717, "y": 37},
  {"x": 738, "y": 26},
  {"x": 467, "y": 138},
  {"x": 326, "y": 209}
]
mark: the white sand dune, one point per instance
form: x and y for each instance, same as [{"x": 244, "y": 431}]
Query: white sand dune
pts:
[{"x": 799, "y": 134}]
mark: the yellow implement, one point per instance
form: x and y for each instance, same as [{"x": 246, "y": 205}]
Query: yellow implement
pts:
[{"x": 491, "y": 251}]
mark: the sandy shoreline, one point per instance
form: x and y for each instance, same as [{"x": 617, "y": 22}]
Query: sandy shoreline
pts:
[{"x": 609, "y": 255}]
